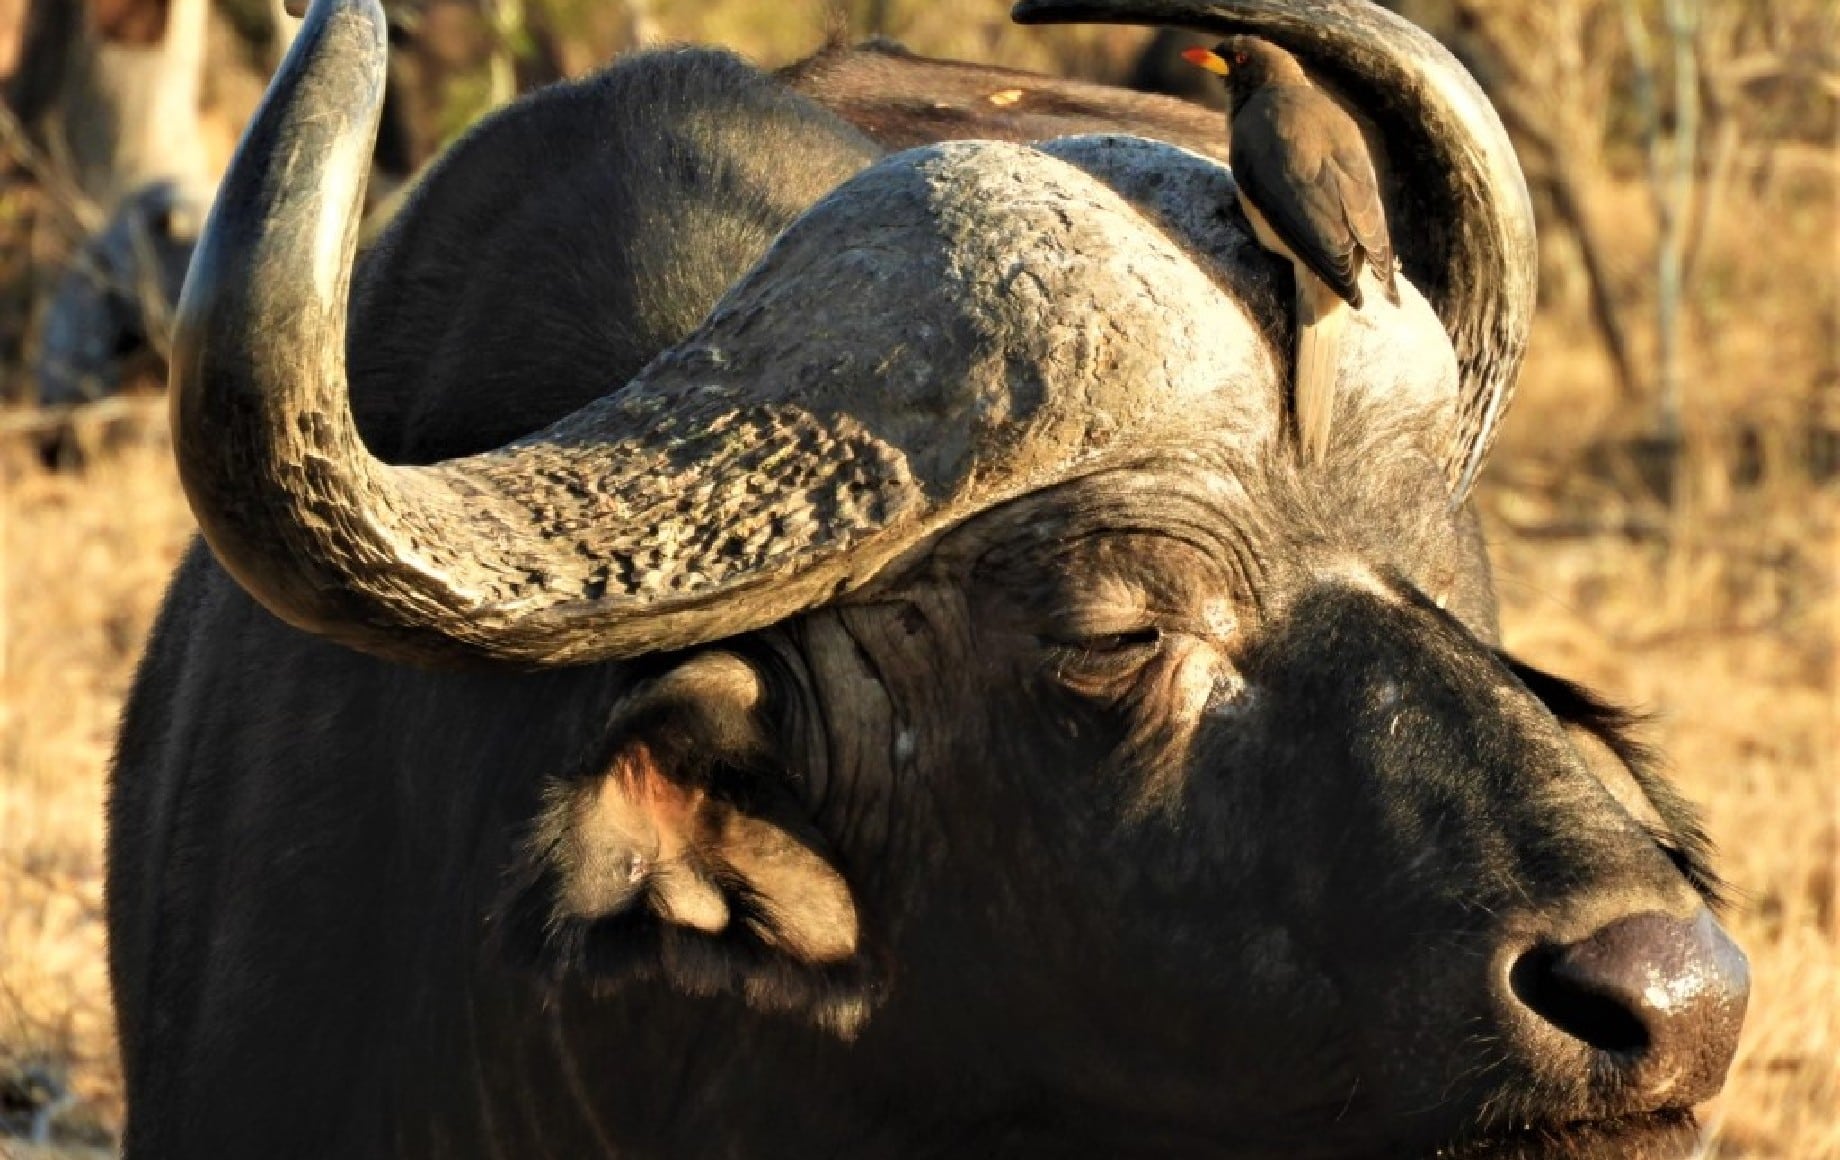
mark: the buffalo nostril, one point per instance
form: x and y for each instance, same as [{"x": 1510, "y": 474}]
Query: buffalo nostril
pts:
[
  {"x": 1580, "y": 1007},
  {"x": 1664, "y": 996}
]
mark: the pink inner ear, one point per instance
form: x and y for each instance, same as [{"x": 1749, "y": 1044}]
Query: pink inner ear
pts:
[
  {"x": 607, "y": 849},
  {"x": 634, "y": 831},
  {"x": 635, "y": 837},
  {"x": 669, "y": 809}
]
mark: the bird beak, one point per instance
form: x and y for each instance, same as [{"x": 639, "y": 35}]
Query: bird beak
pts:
[{"x": 1202, "y": 58}]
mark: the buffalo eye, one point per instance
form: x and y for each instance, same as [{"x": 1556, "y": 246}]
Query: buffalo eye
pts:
[
  {"x": 1120, "y": 642},
  {"x": 1103, "y": 664},
  {"x": 1141, "y": 641}
]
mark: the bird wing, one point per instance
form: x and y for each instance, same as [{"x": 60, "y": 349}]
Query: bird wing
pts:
[
  {"x": 1303, "y": 164},
  {"x": 1361, "y": 207},
  {"x": 1278, "y": 158}
]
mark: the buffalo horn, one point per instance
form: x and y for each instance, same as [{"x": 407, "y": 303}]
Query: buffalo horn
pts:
[
  {"x": 820, "y": 424},
  {"x": 1456, "y": 199},
  {"x": 642, "y": 527}
]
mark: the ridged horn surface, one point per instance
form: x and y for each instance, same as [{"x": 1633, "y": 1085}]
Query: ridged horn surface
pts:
[
  {"x": 950, "y": 329},
  {"x": 1456, "y": 200}
]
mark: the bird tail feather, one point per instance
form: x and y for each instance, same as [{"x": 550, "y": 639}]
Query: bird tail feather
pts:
[{"x": 1319, "y": 341}]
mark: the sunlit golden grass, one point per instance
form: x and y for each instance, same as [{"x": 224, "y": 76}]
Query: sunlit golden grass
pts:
[
  {"x": 1704, "y": 594},
  {"x": 86, "y": 558},
  {"x": 1728, "y": 642}
]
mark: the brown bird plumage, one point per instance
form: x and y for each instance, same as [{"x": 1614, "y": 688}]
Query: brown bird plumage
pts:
[{"x": 1307, "y": 186}]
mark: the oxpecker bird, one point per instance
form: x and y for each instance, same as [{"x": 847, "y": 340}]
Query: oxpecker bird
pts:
[{"x": 1307, "y": 186}]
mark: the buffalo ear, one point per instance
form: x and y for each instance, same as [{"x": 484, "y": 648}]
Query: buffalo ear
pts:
[{"x": 683, "y": 850}]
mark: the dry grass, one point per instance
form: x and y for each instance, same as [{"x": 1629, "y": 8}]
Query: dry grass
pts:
[
  {"x": 1706, "y": 597},
  {"x": 86, "y": 558},
  {"x": 1727, "y": 637},
  {"x": 1716, "y": 612}
]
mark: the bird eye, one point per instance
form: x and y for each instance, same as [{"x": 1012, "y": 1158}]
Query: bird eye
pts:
[{"x": 1239, "y": 58}]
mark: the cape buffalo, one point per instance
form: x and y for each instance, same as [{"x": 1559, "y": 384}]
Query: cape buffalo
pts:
[{"x": 794, "y": 650}]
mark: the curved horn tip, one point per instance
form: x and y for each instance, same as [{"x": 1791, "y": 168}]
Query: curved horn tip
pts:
[
  {"x": 1050, "y": 11},
  {"x": 1146, "y": 12},
  {"x": 1468, "y": 240}
]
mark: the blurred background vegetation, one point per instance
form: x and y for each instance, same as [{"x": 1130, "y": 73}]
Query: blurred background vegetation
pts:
[{"x": 1662, "y": 507}]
